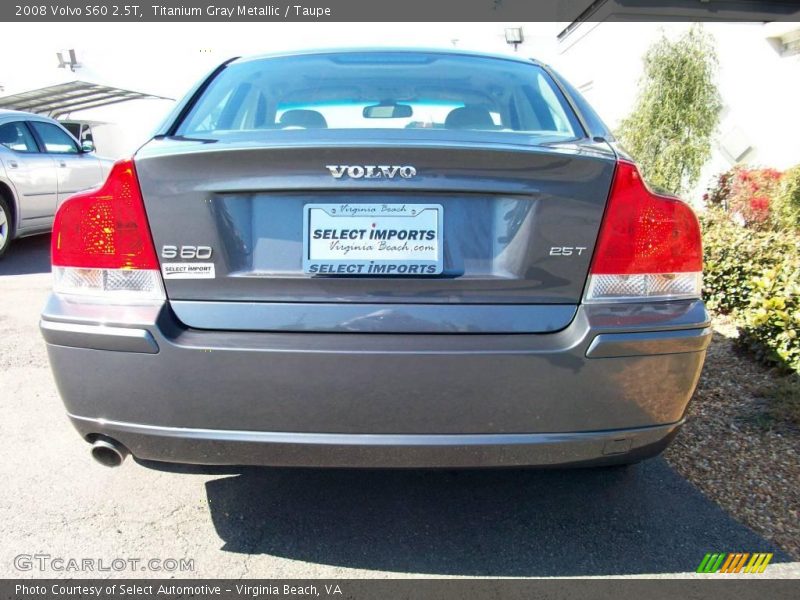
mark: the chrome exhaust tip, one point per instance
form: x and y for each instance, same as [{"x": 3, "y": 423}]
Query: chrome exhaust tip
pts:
[{"x": 108, "y": 452}]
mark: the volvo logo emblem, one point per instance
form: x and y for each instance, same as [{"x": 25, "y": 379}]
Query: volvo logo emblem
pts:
[{"x": 372, "y": 171}]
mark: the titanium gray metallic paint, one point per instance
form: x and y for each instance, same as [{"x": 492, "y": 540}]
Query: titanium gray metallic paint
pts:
[
  {"x": 381, "y": 318},
  {"x": 495, "y": 363},
  {"x": 504, "y": 207},
  {"x": 253, "y": 385},
  {"x": 217, "y": 447}
]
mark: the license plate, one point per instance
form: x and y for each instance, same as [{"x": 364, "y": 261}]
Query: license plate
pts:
[{"x": 372, "y": 239}]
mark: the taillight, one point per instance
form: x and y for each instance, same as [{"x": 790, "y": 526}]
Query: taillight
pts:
[
  {"x": 649, "y": 247},
  {"x": 102, "y": 244}
]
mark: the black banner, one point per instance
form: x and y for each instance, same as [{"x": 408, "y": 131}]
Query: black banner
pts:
[
  {"x": 734, "y": 588},
  {"x": 567, "y": 11}
]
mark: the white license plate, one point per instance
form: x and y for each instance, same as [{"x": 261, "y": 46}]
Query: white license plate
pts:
[{"x": 372, "y": 239}]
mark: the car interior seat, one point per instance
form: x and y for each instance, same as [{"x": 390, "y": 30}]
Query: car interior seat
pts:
[
  {"x": 308, "y": 119},
  {"x": 469, "y": 117}
]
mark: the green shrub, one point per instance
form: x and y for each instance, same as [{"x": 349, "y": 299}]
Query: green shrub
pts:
[
  {"x": 771, "y": 322},
  {"x": 754, "y": 275},
  {"x": 734, "y": 256},
  {"x": 787, "y": 200}
]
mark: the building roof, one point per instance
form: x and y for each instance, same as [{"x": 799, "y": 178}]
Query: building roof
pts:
[{"x": 64, "y": 98}]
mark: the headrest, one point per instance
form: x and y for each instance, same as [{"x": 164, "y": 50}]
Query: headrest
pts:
[
  {"x": 469, "y": 117},
  {"x": 310, "y": 119}
]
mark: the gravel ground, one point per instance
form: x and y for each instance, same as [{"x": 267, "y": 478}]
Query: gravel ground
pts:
[{"x": 726, "y": 449}]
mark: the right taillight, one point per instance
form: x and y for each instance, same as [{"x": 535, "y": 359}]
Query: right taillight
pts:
[{"x": 649, "y": 247}]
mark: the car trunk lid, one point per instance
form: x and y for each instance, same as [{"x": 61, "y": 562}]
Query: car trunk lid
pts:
[{"x": 516, "y": 226}]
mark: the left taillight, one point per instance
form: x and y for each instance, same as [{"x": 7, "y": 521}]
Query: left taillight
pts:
[{"x": 102, "y": 246}]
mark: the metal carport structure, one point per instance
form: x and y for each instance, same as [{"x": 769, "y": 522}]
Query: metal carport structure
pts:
[{"x": 64, "y": 98}]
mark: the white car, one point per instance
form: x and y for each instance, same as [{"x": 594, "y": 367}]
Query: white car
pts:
[{"x": 41, "y": 165}]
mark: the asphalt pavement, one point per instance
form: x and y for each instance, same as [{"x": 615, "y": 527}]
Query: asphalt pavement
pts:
[{"x": 56, "y": 502}]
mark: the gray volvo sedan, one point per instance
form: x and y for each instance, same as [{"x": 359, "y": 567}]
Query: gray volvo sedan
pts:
[{"x": 377, "y": 258}]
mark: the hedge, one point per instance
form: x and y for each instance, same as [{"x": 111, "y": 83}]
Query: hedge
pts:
[
  {"x": 752, "y": 260},
  {"x": 772, "y": 319},
  {"x": 734, "y": 256}
]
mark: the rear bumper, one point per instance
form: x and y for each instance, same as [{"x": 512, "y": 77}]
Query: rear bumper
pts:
[
  {"x": 613, "y": 386},
  {"x": 224, "y": 447}
]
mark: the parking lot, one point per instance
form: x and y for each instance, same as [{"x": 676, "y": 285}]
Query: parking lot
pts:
[{"x": 315, "y": 523}]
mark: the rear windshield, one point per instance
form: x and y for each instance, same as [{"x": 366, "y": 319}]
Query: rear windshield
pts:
[{"x": 382, "y": 90}]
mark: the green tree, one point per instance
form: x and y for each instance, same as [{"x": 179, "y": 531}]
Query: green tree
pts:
[{"x": 677, "y": 111}]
